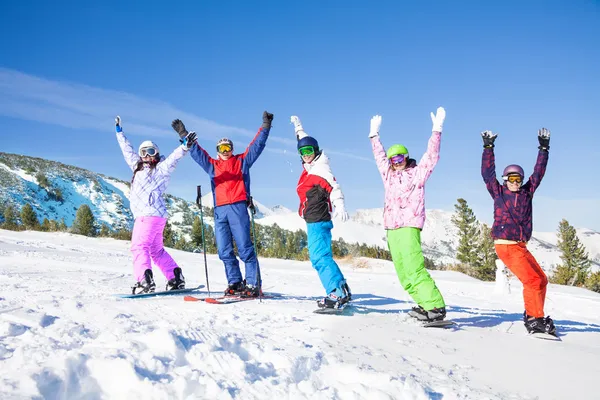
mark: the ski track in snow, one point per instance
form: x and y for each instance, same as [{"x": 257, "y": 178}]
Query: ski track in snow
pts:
[{"x": 64, "y": 336}]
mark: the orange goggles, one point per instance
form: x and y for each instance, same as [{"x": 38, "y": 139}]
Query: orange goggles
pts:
[
  {"x": 514, "y": 179},
  {"x": 223, "y": 148}
]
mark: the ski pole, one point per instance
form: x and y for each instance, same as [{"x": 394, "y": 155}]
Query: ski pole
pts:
[
  {"x": 259, "y": 279},
  {"x": 199, "y": 204}
]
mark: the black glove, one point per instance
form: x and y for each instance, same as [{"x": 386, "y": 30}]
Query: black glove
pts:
[
  {"x": 488, "y": 139},
  {"x": 189, "y": 140},
  {"x": 267, "y": 118},
  {"x": 179, "y": 127},
  {"x": 544, "y": 139}
]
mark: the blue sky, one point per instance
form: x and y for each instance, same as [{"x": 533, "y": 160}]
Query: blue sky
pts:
[{"x": 67, "y": 68}]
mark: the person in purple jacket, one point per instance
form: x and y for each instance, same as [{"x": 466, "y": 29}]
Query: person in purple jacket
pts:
[
  {"x": 513, "y": 212},
  {"x": 151, "y": 175}
]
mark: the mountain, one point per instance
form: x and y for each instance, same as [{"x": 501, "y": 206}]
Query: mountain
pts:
[
  {"x": 64, "y": 335},
  {"x": 56, "y": 191}
]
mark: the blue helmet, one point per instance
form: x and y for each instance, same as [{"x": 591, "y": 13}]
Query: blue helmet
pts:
[{"x": 309, "y": 141}]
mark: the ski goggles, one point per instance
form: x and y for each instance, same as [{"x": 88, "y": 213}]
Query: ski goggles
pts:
[
  {"x": 148, "y": 151},
  {"x": 306, "y": 151},
  {"x": 224, "y": 148},
  {"x": 514, "y": 179},
  {"x": 398, "y": 159}
]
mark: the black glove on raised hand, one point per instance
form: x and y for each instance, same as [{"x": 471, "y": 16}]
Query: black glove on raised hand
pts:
[
  {"x": 267, "y": 119},
  {"x": 544, "y": 139},
  {"x": 179, "y": 127},
  {"x": 189, "y": 140},
  {"x": 488, "y": 139}
]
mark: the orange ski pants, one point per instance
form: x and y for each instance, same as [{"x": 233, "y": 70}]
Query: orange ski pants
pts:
[{"x": 521, "y": 262}]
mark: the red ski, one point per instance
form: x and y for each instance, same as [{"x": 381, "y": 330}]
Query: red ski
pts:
[{"x": 227, "y": 299}]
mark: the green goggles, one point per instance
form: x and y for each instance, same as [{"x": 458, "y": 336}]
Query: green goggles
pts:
[{"x": 306, "y": 151}]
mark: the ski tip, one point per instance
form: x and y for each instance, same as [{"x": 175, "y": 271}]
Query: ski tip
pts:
[{"x": 191, "y": 298}]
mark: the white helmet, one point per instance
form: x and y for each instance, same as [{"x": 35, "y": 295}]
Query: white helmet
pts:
[
  {"x": 226, "y": 142},
  {"x": 148, "y": 144}
]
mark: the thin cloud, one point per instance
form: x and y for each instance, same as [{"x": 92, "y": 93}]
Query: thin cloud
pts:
[{"x": 83, "y": 107}]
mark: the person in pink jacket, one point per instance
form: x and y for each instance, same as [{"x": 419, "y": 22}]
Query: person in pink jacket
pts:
[{"x": 404, "y": 215}]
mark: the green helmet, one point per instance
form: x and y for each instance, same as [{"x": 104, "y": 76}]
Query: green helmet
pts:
[{"x": 395, "y": 150}]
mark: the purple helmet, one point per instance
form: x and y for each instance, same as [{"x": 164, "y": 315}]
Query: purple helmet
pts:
[{"x": 513, "y": 169}]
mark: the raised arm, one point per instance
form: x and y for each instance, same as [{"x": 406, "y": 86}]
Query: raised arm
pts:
[
  {"x": 167, "y": 166},
  {"x": 256, "y": 147},
  {"x": 381, "y": 160},
  {"x": 488, "y": 164},
  {"x": 131, "y": 156},
  {"x": 432, "y": 155},
  {"x": 198, "y": 153},
  {"x": 542, "y": 160}
]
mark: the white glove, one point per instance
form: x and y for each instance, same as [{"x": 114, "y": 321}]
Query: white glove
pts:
[
  {"x": 341, "y": 214},
  {"x": 375, "y": 125},
  {"x": 298, "y": 129},
  {"x": 438, "y": 119}
]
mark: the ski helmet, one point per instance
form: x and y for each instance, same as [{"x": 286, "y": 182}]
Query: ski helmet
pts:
[
  {"x": 148, "y": 144},
  {"x": 397, "y": 149},
  {"x": 309, "y": 141},
  {"x": 224, "y": 141},
  {"x": 513, "y": 169}
]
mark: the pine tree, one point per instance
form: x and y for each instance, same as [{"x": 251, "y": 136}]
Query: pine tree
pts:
[
  {"x": 169, "y": 236},
  {"x": 486, "y": 263},
  {"x": 576, "y": 263},
  {"x": 593, "y": 281},
  {"x": 29, "y": 217},
  {"x": 104, "y": 231},
  {"x": 42, "y": 180},
  {"x": 10, "y": 218},
  {"x": 85, "y": 223},
  {"x": 464, "y": 219},
  {"x": 45, "y": 227}
]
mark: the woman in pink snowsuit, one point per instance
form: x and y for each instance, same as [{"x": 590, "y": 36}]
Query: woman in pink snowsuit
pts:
[
  {"x": 151, "y": 174},
  {"x": 404, "y": 215}
]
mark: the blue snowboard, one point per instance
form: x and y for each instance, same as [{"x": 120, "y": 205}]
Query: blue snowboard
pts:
[{"x": 161, "y": 293}]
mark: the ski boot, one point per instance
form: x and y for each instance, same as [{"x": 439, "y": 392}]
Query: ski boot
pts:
[
  {"x": 336, "y": 299},
  {"x": 147, "y": 284},
  {"x": 178, "y": 281},
  {"x": 235, "y": 289},
  {"x": 251, "y": 291},
  {"x": 436, "y": 314}
]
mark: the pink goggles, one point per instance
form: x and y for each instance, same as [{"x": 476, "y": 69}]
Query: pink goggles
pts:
[{"x": 397, "y": 159}]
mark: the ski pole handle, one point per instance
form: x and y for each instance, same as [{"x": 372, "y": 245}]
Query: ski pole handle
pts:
[{"x": 199, "y": 196}]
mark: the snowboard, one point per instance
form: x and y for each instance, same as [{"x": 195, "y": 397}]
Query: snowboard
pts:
[
  {"x": 228, "y": 299},
  {"x": 332, "y": 311},
  {"x": 439, "y": 324},
  {"x": 159, "y": 293},
  {"x": 545, "y": 336}
]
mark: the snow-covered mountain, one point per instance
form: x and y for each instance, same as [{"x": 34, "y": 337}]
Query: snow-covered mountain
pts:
[
  {"x": 64, "y": 335},
  {"x": 56, "y": 191}
]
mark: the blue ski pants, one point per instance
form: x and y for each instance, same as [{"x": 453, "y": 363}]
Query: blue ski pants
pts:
[
  {"x": 321, "y": 257},
  {"x": 233, "y": 223}
]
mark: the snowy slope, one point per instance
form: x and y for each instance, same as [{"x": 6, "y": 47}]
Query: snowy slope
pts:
[{"x": 64, "y": 336}]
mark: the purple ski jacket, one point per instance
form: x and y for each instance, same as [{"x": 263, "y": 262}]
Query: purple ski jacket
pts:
[{"x": 513, "y": 212}]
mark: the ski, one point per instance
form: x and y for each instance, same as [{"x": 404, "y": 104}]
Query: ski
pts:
[
  {"x": 159, "y": 293},
  {"x": 228, "y": 299}
]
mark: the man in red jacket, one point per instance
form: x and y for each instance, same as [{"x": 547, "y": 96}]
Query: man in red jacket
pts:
[
  {"x": 513, "y": 226},
  {"x": 230, "y": 181}
]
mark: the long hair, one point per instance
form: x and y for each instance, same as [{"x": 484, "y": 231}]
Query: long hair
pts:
[{"x": 140, "y": 165}]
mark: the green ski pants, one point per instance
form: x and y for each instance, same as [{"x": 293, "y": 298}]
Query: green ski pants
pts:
[{"x": 407, "y": 255}]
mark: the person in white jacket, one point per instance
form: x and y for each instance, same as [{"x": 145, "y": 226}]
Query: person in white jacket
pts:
[
  {"x": 151, "y": 175},
  {"x": 318, "y": 191}
]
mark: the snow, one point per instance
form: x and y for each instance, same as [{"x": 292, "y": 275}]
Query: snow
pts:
[
  {"x": 64, "y": 335},
  {"x": 20, "y": 173}
]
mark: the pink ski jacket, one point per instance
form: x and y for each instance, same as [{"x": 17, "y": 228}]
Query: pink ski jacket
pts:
[{"x": 405, "y": 190}]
